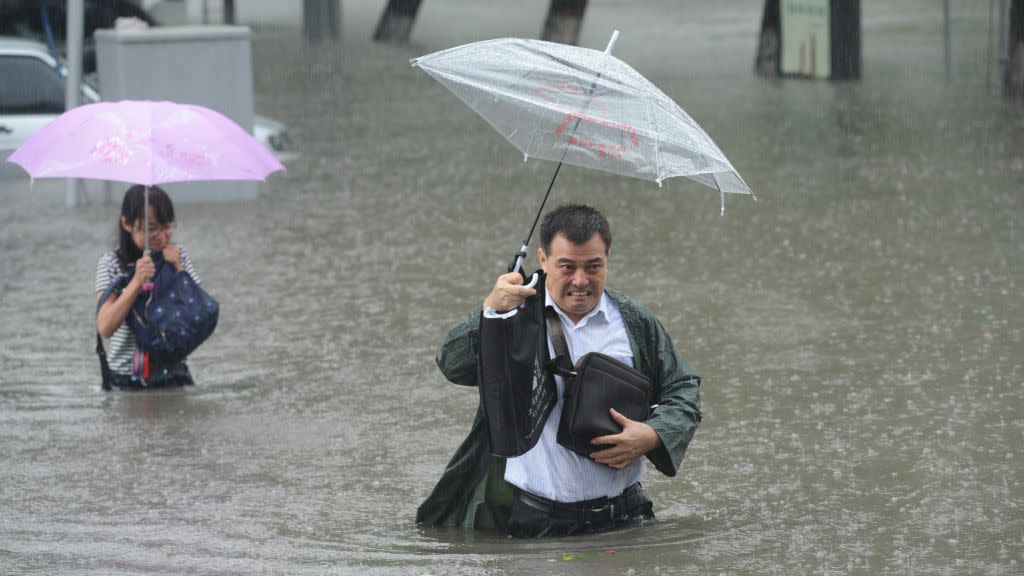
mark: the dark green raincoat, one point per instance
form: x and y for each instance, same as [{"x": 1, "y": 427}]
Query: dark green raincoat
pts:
[{"x": 473, "y": 493}]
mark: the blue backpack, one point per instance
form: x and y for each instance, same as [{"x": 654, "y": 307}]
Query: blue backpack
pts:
[{"x": 170, "y": 321}]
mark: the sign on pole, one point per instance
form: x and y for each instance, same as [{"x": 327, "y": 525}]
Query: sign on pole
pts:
[{"x": 806, "y": 38}]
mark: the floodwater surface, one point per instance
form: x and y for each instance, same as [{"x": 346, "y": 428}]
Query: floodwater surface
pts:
[{"x": 858, "y": 328}]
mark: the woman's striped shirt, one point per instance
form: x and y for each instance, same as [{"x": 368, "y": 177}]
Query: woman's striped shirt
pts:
[{"x": 122, "y": 343}]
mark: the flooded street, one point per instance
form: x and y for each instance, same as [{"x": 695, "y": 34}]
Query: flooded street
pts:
[{"x": 859, "y": 328}]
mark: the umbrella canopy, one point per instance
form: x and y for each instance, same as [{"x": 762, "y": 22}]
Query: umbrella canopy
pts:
[
  {"x": 144, "y": 142},
  {"x": 582, "y": 107}
]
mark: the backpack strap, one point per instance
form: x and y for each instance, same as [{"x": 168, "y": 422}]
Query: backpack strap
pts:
[
  {"x": 104, "y": 366},
  {"x": 116, "y": 286},
  {"x": 561, "y": 364}
]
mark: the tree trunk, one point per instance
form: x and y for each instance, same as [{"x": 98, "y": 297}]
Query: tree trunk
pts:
[
  {"x": 229, "y": 12},
  {"x": 1014, "y": 81},
  {"x": 565, "y": 17},
  {"x": 768, "y": 58},
  {"x": 321, "y": 20},
  {"x": 396, "y": 22},
  {"x": 845, "y": 24}
]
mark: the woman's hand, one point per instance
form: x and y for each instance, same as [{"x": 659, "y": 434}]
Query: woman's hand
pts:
[
  {"x": 144, "y": 270},
  {"x": 115, "y": 309},
  {"x": 172, "y": 254}
]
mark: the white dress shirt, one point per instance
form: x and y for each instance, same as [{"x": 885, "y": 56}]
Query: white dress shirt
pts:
[{"x": 555, "y": 472}]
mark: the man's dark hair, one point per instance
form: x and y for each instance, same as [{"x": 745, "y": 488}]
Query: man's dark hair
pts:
[{"x": 577, "y": 222}]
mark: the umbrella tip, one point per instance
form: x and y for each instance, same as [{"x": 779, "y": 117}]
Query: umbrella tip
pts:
[
  {"x": 525, "y": 156},
  {"x": 611, "y": 43}
]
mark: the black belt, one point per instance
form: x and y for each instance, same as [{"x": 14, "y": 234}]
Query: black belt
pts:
[{"x": 598, "y": 510}]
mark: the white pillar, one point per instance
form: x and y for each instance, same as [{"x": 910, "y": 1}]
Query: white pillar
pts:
[{"x": 72, "y": 87}]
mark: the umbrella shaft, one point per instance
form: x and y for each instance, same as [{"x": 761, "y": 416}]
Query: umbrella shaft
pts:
[
  {"x": 145, "y": 220},
  {"x": 517, "y": 261}
]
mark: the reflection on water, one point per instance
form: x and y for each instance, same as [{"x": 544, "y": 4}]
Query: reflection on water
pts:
[{"x": 858, "y": 327}]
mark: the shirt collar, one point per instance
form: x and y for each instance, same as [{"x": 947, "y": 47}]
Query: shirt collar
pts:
[{"x": 601, "y": 308}]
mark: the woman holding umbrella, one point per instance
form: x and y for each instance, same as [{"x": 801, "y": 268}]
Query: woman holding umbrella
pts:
[
  {"x": 147, "y": 143},
  {"x": 128, "y": 261}
]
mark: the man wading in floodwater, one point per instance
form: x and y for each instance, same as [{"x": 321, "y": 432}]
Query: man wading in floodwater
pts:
[{"x": 550, "y": 490}]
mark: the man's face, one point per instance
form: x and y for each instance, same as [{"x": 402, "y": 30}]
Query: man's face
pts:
[{"x": 576, "y": 274}]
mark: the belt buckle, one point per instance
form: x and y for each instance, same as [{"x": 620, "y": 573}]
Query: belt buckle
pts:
[{"x": 607, "y": 510}]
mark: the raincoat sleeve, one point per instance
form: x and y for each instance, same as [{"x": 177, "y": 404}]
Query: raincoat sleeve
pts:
[
  {"x": 676, "y": 418},
  {"x": 458, "y": 353}
]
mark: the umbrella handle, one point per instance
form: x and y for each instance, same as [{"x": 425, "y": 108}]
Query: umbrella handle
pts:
[
  {"x": 518, "y": 259},
  {"x": 517, "y": 266},
  {"x": 533, "y": 282}
]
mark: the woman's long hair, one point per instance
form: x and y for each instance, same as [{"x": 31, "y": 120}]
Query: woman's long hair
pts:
[{"x": 132, "y": 208}]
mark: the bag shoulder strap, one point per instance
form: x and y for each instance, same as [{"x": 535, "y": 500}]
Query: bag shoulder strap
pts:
[
  {"x": 104, "y": 366},
  {"x": 115, "y": 286},
  {"x": 561, "y": 364}
]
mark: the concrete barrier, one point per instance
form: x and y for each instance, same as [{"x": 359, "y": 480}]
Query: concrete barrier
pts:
[{"x": 206, "y": 65}]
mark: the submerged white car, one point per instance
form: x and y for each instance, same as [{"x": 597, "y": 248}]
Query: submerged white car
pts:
[{"x": 32, "y": 94}]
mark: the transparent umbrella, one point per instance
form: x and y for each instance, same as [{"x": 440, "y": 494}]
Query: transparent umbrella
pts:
[{"x": 582, "y": 107}]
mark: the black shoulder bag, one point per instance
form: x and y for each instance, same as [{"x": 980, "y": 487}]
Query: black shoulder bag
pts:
[{"x": 595, "y": 384}]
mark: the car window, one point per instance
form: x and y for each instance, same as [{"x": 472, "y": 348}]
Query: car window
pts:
[{"x": 29, "y": 87}]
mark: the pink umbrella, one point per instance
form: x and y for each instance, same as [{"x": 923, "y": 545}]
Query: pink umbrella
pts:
[{"x": 144, "y": 142}]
